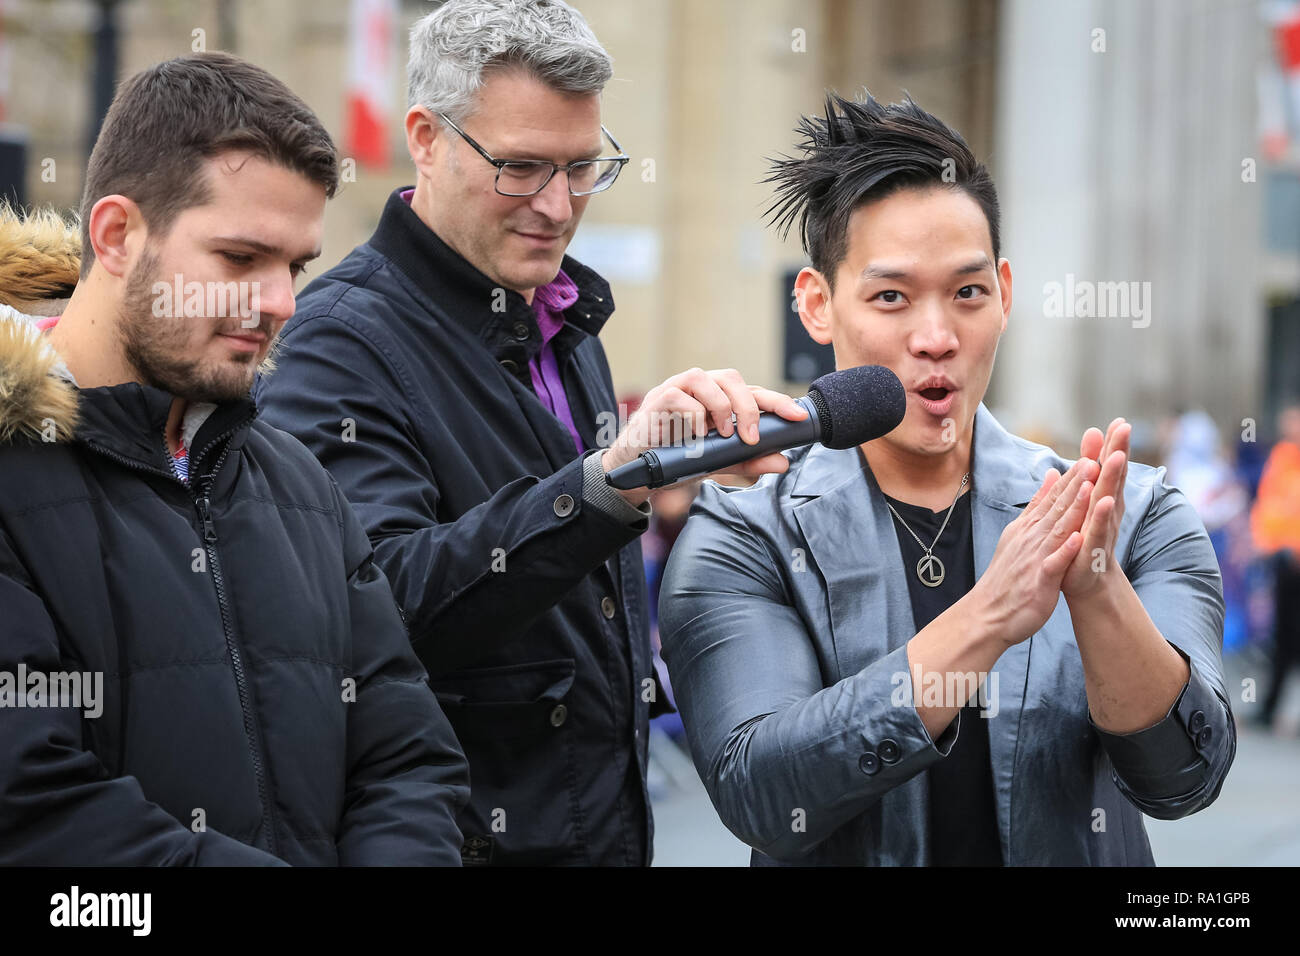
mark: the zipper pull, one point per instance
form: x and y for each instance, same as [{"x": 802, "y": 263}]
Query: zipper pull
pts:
[{"x": 205, "y": 515}]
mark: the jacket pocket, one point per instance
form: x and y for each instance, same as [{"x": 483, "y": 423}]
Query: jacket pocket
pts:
[
  {"x": 517, "y": 700},
  {"x": 514, "y": 725}
]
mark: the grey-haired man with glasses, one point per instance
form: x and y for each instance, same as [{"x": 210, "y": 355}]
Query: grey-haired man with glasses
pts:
[{"x": 449, "y": 375}]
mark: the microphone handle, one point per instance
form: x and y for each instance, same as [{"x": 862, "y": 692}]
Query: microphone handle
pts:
[{"x": 673, "y": 463}]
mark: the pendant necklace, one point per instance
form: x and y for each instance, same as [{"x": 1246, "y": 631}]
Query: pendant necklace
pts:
[{"x": 930, "y": 569}]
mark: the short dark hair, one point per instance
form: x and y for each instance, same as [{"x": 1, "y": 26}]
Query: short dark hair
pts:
[
  {"x": 862, "y": 151},
  {"x": 166, "y": 120}
]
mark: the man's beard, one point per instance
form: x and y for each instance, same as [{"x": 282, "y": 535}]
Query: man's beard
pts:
[{"x": 154, "y": 346}]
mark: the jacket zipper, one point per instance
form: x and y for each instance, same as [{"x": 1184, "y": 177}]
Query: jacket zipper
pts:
[{"x": 203, "y": 505}]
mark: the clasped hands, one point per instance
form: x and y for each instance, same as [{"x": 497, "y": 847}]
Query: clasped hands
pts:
[{"x": 1063, "y": 543}]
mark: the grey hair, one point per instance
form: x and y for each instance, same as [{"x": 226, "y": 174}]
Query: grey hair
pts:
[{"x": 452, "y": 47}]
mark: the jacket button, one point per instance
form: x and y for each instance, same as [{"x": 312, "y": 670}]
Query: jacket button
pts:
[
  {"x": 564, "y": 505},
  {"x": 510, "y": 365},
  {"x": 559, "y": 714},
  {"x": 608, "y": 608},
  {"x": 1196, "y": 722},
  {"x": 1203, "y": 738},
  {"x": 520, "y": 332},
  {"x": 888, "y": 750},
  {"x": 868, "y": 763}
]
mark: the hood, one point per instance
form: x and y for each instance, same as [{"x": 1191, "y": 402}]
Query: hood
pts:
[
  {"x": 38, "y": 399},
  {"x": 40, "y": 257},
  {"x": 40, "y": 260}
]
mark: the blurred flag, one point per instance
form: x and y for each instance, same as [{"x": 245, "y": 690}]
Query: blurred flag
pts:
[
  {"x": 1271, "y": 95},
  {"x": 372, "y": 50},
  {"x": 1277, "y": 81},
  {"x": 1287, "y": 38}
]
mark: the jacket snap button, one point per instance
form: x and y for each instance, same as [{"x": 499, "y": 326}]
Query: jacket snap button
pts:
[
  {"x": 1203, "y": 738},
  {"x": 607, "y": 608},
  {"x": 510, "y": 365},
  {"x": 564, "y": 505},
  {"x": 888, "y": 750},
  {"x": 558, "y": 715},
  {"x": 868, "y": 763},
  {"x": 520, "y": 332},
  {"x": 1196, "y": 722}
]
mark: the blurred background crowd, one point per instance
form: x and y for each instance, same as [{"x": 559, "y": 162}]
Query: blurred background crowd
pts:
[{"x": 1146, "y": 150}]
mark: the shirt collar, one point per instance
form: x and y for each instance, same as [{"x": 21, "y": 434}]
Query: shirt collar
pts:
[
  {"x": 557, "y": 295},
  {"x": 550, "y": 301}
]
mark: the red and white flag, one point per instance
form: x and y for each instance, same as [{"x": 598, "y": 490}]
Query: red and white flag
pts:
[
  {"x": 372, "y": 51},
  {"x": 1279, "y": 103}
]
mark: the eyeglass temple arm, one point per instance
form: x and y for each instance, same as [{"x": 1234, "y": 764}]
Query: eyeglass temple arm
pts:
[{"x": 623, "y": 152}]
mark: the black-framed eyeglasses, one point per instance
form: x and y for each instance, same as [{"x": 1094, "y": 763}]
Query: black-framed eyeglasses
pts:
[{"x": 527, "y": 177}]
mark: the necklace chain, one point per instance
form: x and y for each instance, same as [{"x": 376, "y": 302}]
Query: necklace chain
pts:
[{"x": 930, "y": 569}]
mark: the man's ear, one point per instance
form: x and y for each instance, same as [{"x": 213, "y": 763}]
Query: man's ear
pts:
[
  {"x": 117, "y": 232},
  {"x": 1004, "y": 285},
  {"x": 422, "y": 131},
  {"x": 813, "y": 296}
]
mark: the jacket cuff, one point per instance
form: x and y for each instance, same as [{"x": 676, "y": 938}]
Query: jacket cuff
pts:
[
  {"x": 900, "y": 746},
  {"x": 598, "y": 493},
  {"x": 901, "y": 682},
  {"x": 1168, "y": 763}
]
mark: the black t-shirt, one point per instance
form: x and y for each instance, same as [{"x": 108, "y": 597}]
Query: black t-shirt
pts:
[{"x": 963, "y": 812}]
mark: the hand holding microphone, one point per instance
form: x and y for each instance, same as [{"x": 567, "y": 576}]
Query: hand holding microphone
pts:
[
  {"x": 688, "y": 405},
  {"x": 659, "y": 446}
]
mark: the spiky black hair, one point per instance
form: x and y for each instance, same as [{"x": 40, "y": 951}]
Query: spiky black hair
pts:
[{"x": 862, "y": 151}]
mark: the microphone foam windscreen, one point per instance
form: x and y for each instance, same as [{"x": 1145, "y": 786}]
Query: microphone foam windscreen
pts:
[{"x": 857, "y": 405}]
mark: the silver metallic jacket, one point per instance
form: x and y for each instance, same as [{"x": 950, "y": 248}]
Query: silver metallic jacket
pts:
[{"x": 785, "y": 615}]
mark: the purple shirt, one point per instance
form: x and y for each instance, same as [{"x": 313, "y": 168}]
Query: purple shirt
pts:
[{"x": 549, "y": 303}]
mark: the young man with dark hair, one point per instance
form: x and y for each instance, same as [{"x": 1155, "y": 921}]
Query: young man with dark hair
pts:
[
  {"x": 947, "y": 646},
  {"x": 242, "y": 690}
]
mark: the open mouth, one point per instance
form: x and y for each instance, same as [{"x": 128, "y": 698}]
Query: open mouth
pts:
[{"x": 937, "y": 396}]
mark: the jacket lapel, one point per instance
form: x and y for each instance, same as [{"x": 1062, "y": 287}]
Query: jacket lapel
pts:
[
  {"x": 847, "y": 529},
  {"x": 1003, "y": 481}
]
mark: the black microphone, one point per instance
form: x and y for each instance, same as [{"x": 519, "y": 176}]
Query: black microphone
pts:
[{"x": 845, "y": 408}]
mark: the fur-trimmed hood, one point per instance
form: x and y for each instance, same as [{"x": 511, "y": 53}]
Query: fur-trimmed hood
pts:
[
  {"x": 40, "y": 258},
  {"x": 38, "y": 400}
]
